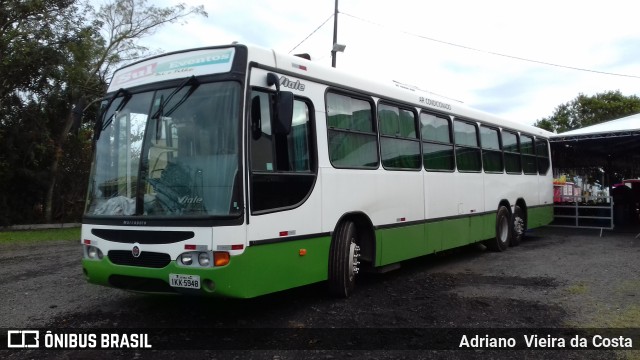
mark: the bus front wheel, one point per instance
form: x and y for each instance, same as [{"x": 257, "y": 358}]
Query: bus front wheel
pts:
[
  {"x": 344, "y": 255},
  {"x": 503, "y": 231}
]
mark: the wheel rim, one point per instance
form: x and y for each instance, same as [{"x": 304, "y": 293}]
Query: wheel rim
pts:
[
  {"x": 354, "y": 264},
  {"x": 518, "y": 225},
  {"x": 504, "y": 230}
]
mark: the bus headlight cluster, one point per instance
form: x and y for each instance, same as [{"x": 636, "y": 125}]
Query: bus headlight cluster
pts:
[
  {"x": 94, "y": 253},
  {"x": 196, "y": 259}
]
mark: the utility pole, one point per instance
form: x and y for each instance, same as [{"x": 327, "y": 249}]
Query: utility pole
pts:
[{"x": 335, "y": 36}]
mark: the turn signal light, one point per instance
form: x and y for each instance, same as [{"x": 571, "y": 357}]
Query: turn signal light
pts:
[{"x": 220, "y": 258}]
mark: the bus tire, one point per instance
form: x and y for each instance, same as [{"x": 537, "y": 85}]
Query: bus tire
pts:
[
  {"x": 344, "y": 262},
  {"x": 519, "y": 227},
  {"x": 503, "y": 231}
]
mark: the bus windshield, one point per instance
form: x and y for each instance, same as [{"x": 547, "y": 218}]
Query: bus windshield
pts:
[{"x": 170, "y": 152}]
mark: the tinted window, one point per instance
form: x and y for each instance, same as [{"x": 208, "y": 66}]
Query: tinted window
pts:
[
  {"x": 352, "y": 138},
  {"x": 529, "y": 161},
  {"x": 400, "y": 149},
  {"x": 511, "y": 147},
  {"x": 468, "y": 156},
  {"x": 437, "y": 147},
  {"x": 542, "y": 150},
  {"x": 491, "y": 152}
]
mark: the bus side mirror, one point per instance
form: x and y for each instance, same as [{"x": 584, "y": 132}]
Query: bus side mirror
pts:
[
  {"x": 284, "y": 113},
  {"x": 283, "y": 107}
]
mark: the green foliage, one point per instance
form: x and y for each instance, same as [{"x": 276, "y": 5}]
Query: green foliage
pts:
[
  {"x": 55, "y": 59},
  {"x": 590, "y": 110}
]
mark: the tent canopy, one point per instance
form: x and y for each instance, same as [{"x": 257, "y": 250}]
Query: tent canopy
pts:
[
  {"x": 613, "y": 146},
  {"x": 626, "y": 126}
]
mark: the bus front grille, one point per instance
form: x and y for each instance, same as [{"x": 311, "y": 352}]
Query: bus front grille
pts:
[{"x": 146, "y": 259}]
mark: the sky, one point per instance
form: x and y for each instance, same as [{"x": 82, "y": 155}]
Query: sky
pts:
[{"x": 487, "y": 54}]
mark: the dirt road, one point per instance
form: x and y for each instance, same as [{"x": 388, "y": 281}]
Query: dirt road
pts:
[{"x": 557, "y": 278}]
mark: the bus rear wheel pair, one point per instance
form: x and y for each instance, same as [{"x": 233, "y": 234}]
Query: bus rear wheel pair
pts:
[{"x": 509, "y": 229}]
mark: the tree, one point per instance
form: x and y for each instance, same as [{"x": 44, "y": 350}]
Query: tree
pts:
[
  {"x": 120, "y": 23},
  {"x": 55, "y": 59},
  {"x": 34, "y": 39},
  {"x": 590, "y": 110}
]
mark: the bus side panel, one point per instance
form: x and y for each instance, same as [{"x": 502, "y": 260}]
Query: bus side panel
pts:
[
  {"x": 402, "y": 243},
  {"x": 498, "y": 187},
  {"x": 528, "y": 189},
  {"x": 540, "y": 216},
  {"x": 545, "y": 188},
  {"x": 269, "y": 268},
  {"x": 461, "y": 231},
  {"x": 449, "y": 233},
  {"x": 388, "y": 198},
  {"x": 482, "y": 227}
]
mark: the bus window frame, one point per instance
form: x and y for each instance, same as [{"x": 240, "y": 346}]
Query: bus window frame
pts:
[
  {"x": 313, "y": 158},
  {"x": 500, "y": 150},
  {"x": 416, "y": 126},
  {"x": 478, "y": 147},
  {"x": 374, "y": 133}
]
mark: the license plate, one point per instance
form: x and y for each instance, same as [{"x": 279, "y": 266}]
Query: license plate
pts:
[{"x": 184, "y": 281}]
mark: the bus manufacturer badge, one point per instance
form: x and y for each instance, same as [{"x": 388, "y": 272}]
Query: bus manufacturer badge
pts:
[{"x": 136, "y": 251}]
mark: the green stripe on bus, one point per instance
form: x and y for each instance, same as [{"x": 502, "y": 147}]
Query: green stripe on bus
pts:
[
  {"x": 539, "y": 216},
  {"x": 402, "y": 243},
  {"x": 259, "y": 270}
]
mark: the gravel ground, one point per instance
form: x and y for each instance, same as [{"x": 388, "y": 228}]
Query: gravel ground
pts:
[{"x": 567, "y": 279}]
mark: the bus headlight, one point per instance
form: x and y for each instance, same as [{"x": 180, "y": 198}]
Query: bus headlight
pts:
[
  {"x": 94, "y": 253},
  {"x": 186, "y": 259},
  {"x": 203, "y": 259}
]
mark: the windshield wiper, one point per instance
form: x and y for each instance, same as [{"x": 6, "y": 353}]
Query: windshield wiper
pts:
[
  {"x": 101, "y": 124},
  {"x": 188, "y": 81}
]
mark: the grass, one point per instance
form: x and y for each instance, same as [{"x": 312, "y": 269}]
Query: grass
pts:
[
  {"x": 579, "y": 288},
  {"x": 8, "y": 237}
]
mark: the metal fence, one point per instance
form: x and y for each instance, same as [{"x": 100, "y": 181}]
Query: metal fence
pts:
[{"x": 595, "y": 212}]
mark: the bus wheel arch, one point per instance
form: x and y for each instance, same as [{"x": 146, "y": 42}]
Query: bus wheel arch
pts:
[
  {"x": 504, "y": 230},
  {"x": 519, "y": 222},
  {"x": 352, "y": 243}
]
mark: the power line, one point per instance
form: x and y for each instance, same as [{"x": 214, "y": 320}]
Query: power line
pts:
[
  {"x": 491, "y": 52},
  {"x": 313, "y": 32}
]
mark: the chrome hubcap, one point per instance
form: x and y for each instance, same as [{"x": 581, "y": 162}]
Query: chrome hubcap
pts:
[
  {"x": 504, "y": 230},
  {"x": 518, "y": 225},
  {"x": 354, "y": 255}
]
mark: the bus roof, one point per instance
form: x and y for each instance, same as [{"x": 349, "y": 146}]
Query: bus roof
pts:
[{"x": 217, "y": 59}]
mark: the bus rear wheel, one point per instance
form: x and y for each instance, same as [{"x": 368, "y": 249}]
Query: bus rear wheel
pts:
[
  {"x": 503, "y": 231},
  {"x": 344, "y": 263},
  {"x": 517, "y": 222}
]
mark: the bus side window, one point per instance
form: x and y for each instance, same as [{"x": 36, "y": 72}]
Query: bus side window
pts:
[
  {"x": 282, "y": 166},
  {"x": 437, "y": 146},
  {"x": 529, "y": 163},
  {"x": 491, "y": 150},
  {"x": 399, "y": 144},
  {"x": 467, "y": 148},
  {"x": 262, "y": 140},
  {"x": 542, "y": 150},
  {"x": 511, "y": 147},
  {"x": 353, "y": 142}
]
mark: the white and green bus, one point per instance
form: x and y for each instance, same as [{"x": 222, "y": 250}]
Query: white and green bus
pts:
[{"x": 236, "y": 171}]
